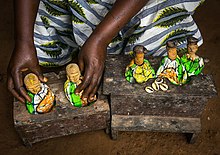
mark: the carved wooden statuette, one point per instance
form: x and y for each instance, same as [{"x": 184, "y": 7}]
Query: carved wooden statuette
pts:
[
  {"x": 74, "y": 78},
  {"x": 171, "y": 66},
  {"x": 139, "y": 70},
  {"x": 42, "y": 98},
  {"x": 192, "y": 62}
]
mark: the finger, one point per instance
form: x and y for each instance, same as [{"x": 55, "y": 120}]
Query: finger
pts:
[
  {"x": 18, "y": 85},
  {"x": 84, "y": 102},
  {"x": 24, "y": 93},
  {"x": 92, "y": 99},
  {"x": 16, "y": 95},
  {"x": 81, "y": 65},
  {"x": 92, "y": 95},
  {"x": 12, "y": 90},
  {"x": 92, "y": 88},
  {"x": 86, "y": 80},
  {"x": 39, "y": 74}
]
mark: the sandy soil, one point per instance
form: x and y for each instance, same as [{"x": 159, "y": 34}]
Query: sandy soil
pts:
[{"x": 135, "y": 143}]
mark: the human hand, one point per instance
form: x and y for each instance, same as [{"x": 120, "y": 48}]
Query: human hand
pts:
[
  {"x": 23, "y": 59},
  {"x": 91, "y": 62}
]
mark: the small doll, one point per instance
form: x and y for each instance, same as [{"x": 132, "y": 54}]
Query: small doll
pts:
[
  {"x": 74, "y": 78},
  {"x": 139, "y": 70},
  {"x": 171, "y": 67},
  {"x": 42, "y": 98},
  {"x": 192, "y": 62}
]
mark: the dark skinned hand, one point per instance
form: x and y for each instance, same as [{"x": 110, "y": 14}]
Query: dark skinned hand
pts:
[
  {"x": 91, "y": 62},
  {"x": 23, "y": 59},
  {"x": 93, "y": 53}
]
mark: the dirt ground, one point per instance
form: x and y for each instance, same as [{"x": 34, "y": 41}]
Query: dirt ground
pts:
[{"x": 134, "y": 143}]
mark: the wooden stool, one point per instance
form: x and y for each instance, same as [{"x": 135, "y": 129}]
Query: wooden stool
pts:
[
  {"x": 132, "y": 109},
  {"x": 63, "y": 120}
]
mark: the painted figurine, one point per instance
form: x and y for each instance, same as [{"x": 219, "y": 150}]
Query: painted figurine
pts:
[
  {"x": 74, "y": 78},
  {"x": 139, "y": 70},
  {"x": 192, "y": 62},
  {"x": 171, "y": 67},
  {"x": 42, "y": 98}
]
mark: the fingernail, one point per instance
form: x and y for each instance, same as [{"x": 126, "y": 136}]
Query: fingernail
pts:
[
  {"x": 84, "y": 99},
  {"x": 95, "y": 97},
  {"x": 45, "y": 79},
  {"x": 29, "y": 100}
]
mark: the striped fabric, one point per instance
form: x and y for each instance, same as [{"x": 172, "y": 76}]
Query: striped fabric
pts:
[{"x": 62, "y": 26}]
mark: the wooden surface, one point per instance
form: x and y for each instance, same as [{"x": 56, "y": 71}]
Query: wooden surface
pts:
[
  {"x": 64, "y": 119},
  {"x": 133, "y": 109},
  {"x": 116, "y": 84}
]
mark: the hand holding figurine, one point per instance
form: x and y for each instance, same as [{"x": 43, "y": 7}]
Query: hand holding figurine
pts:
[{"x": 74, "y": 78}]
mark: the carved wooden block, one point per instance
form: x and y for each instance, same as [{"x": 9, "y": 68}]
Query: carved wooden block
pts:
[
  {"x": 63, "y": 120},
  {"x": 132, "y": 109}
]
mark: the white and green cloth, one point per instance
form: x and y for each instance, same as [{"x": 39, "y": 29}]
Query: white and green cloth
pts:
[
  {"x": 62, "y": 26},
  {"x": 69, "y": 90},
  {"x": 176, "y": 66},
  {"x": 36, "y": 99}
]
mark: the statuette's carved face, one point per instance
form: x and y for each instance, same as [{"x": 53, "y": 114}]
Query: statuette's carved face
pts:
[
  {"x": 73, "y": 72},
  {"x": 172, "y": 53},
  {"x": 139, "y": 54},
  {"x": 192, "y": 48},
  {"x": 139, "y": 58},
  {"x": 32, "y": 83}
]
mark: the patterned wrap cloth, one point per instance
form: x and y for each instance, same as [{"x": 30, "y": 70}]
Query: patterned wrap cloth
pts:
[{"x": 62, "y": 27}]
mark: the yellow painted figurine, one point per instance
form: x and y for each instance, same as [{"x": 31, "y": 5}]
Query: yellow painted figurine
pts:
[
  {"x": 41, "y": 95},
  {"x": 139, "y": 70}
]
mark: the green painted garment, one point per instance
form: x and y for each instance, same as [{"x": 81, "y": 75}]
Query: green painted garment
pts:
[
  {"x": 192, "y": 67},
  {"x": 69, "y": 89},
  {"x": 30, "y": 105}
]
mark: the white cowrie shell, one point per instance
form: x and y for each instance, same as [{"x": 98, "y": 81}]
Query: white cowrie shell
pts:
[
  {"x": 158, "y": 80},
  {"x": 164, "y": 87},
  {"x": 155, "y": 86},
  {"x": 149, "y": 89}
]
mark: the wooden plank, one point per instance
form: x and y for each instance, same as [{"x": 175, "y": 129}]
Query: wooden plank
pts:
[
  {"x": 63, "y": 120},
  {"x": 160, "y": 106},
  {"x": 155, "y": 123}
]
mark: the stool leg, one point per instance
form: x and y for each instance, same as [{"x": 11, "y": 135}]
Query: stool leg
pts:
[
  {"x": 27, "y": 143},
  {"x": 114, "y": 134},
  {"x": 191, "y": 137}
]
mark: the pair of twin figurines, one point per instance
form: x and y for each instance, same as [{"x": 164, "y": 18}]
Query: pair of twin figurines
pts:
[
  {"x": 177, "y": 70},
  {"x": 42, "y": 97}
]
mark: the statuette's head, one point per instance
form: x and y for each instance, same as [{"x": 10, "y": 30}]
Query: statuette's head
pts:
[
  {"x": 139, "y": 52},
  {"x": 32, "y": 83},
  {"x": 192, "y": 46},
  {"x": 171, "y": 50},
  {"x": 73, "y": 72}
]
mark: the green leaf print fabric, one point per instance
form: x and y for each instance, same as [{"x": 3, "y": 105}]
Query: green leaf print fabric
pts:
[{"x": 63, "y": 26}]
